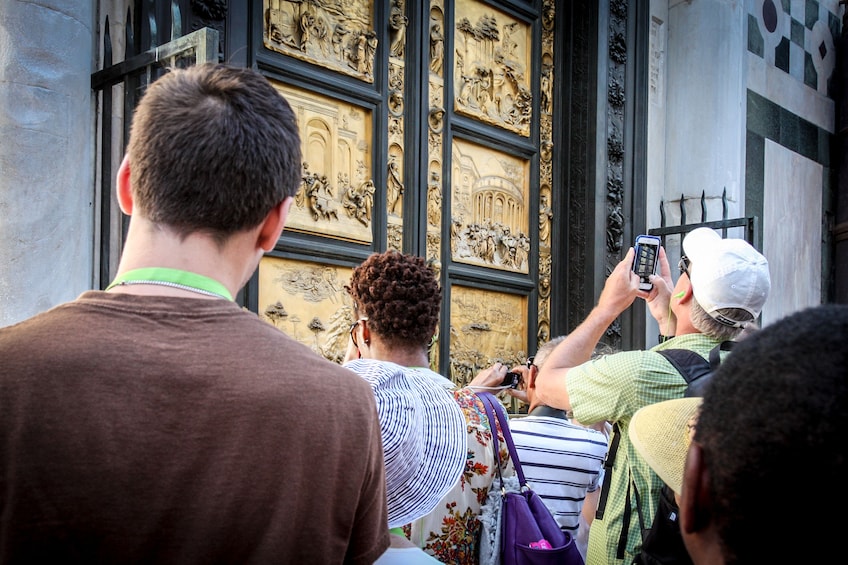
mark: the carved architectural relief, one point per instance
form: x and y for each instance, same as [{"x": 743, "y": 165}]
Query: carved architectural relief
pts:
[
  {"x": 489, "y": 207},
  {"x": 546, "y": 149},
  {"x": 336, "y": 197},
  {"x": 398, "y": 21},
  {"x": 486, "y": 327},
  {"x": 492, "y": 209},
  {"x": 308, "y": 302},
  {"x": 617, "y": 34},
  {"x": 335, "y": 34},
  {"x": 492, "y": 54},
  {"x": 435, "y": 131}
]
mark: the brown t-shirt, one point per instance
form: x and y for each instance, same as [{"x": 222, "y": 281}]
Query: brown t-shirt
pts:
[{"x": 177, "y": 430}]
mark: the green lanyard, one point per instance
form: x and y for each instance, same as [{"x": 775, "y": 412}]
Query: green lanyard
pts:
[{"x": 173, "y": 278}]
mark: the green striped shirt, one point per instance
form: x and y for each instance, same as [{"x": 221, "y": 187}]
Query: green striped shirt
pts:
[{"x": 613, "y": 388}]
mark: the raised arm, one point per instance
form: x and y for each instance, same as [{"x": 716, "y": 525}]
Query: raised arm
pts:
[{"x": 620, "y": 290}]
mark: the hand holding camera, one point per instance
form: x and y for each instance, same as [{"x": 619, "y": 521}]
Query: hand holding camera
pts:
[{"x": 512, "y": 379}]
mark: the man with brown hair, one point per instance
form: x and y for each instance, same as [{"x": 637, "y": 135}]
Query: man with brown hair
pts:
[{"x": 158, "y": 421}]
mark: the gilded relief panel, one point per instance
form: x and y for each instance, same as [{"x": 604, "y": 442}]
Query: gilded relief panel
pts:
[
  {"x": 308, "y": 302},
  {"x": 489, "y": 208},
  {"x": 336, "y": 196},
  {"x": 485, "y": 327},
  {"x": 546, "y": 147},
  {"x": 396, "y": 104},
  {"x": 435, "y": 130},
  {"x": 492, "y": 67},
  {"x": 335, "y": 34}
]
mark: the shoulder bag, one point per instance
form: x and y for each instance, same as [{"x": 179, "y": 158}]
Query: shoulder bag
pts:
[{"x": 518, "y": 529}]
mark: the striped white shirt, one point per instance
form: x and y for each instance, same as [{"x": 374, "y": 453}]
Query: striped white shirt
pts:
[{"x": 561, "y": 462}]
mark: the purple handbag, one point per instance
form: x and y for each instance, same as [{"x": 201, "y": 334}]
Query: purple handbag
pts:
[{"x": 529, "y": 533}]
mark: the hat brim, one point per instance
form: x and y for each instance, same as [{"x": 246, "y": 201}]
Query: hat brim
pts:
[
  {"x": 415, "y": 412},
  {"x": 661, "y": 433}
]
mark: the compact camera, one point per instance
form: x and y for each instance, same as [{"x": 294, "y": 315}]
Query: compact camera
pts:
[{"x": 511, "y": 380}]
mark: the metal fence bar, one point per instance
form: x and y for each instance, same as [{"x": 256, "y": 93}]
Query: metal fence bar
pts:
[{"x": 749, "y": 223}]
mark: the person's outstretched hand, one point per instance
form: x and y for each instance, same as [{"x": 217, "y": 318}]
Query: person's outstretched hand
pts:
[
  {"x": 621, "y": 287},
  {"x": 658, "y": 298}
]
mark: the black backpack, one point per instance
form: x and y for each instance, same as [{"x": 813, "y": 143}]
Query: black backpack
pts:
[{"x": 662, "y": 543}]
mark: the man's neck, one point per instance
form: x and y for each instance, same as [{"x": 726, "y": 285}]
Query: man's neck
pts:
[
  {"x": 547, "y": 411},
  {"x": 151, "y": 246}
]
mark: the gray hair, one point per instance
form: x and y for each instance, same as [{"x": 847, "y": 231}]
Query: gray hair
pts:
[{"x": 708, "y": 325}]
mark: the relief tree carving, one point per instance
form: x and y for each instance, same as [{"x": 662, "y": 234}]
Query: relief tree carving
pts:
[{"x": 490, "y": 73}]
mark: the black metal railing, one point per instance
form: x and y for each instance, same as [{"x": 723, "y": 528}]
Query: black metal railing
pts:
[{"x": 747, "y": 223}]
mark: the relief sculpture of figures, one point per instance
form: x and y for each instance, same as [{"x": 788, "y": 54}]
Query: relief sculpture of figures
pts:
[
  {"x": 490, "y": 74},
  {"x": 434, "y": 199},
  {"x": 437, "y": 48},
  {"x": 359, "y": 200},
  {"x": 397, "y": 22},
  {"x": 394, "y": 187},
  {"x": 317, "y": 193},
  {"x": 307, "y": 20},
  {"x": 337, "y": 35},
  {"x": 545, "y": 91},
  {"x": 546, "y": 215}
]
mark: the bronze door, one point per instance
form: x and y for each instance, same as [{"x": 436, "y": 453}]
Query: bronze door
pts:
[{"x": 426, "y": 128}]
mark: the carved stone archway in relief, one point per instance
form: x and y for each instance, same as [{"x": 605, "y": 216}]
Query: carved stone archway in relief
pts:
[
  {"x": 336, "y": 197},
  {"x": 489, "y": 207}
]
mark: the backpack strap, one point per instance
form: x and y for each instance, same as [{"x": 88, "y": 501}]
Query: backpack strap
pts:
[
  {"x": 625, "y": 520},
  {"x": 694, "y": 368},
  {"x": 608, "y": 463}
]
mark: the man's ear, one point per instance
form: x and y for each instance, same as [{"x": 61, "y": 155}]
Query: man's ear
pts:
[
  {"x": 532, "y": 373},
  {"x": 273, "y": 224},
  {"x": 124, "y": 189},
  {"x": 685, "y": 295},
  {"x": 695, "y": 499}
]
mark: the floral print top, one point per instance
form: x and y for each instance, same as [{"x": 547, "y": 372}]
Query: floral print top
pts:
[{"x": 451, "y": 532}]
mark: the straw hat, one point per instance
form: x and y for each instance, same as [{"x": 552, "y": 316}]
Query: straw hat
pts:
[
  {"x": 424, "y": 437},
  {"x": 661, "y": 433}
]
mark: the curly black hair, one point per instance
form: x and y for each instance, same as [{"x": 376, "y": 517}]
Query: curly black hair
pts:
[
  {"x": 400, "y": 295},
  {"x": 772, "y": 426}
]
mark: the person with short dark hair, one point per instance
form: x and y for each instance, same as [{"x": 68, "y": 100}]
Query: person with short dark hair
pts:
[
  {"x": 160, "y": 422},
  {"x": 722, "y": 287},
  {"x": 775, "y": 413}
]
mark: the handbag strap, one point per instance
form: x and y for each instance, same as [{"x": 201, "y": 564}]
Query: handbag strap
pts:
[{"x": 495, "y": 410}]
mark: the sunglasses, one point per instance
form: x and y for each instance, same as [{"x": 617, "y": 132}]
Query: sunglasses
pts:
[
  {"x": 353, "y": 330},
  {"x": 684, "y": 265}
]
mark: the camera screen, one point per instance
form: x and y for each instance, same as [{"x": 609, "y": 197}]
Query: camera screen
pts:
[{"x": 646, "y": 258}]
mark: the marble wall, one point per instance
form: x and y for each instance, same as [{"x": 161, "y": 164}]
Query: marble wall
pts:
[{"x": 743, "y": 101}]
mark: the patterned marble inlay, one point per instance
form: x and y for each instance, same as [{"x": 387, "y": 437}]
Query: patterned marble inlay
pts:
[{"x": 797, "y": 37}]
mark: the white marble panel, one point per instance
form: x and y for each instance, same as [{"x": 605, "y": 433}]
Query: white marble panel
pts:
[
  {"x": 792, "y": 235},
  {"x": 791, "y": 94}
]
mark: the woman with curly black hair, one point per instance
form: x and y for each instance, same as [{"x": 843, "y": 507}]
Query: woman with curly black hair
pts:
[{"x": 396, "y": 304}]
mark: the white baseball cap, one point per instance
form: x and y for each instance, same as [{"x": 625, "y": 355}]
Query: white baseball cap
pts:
[{"x": 726, "y": 273}]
